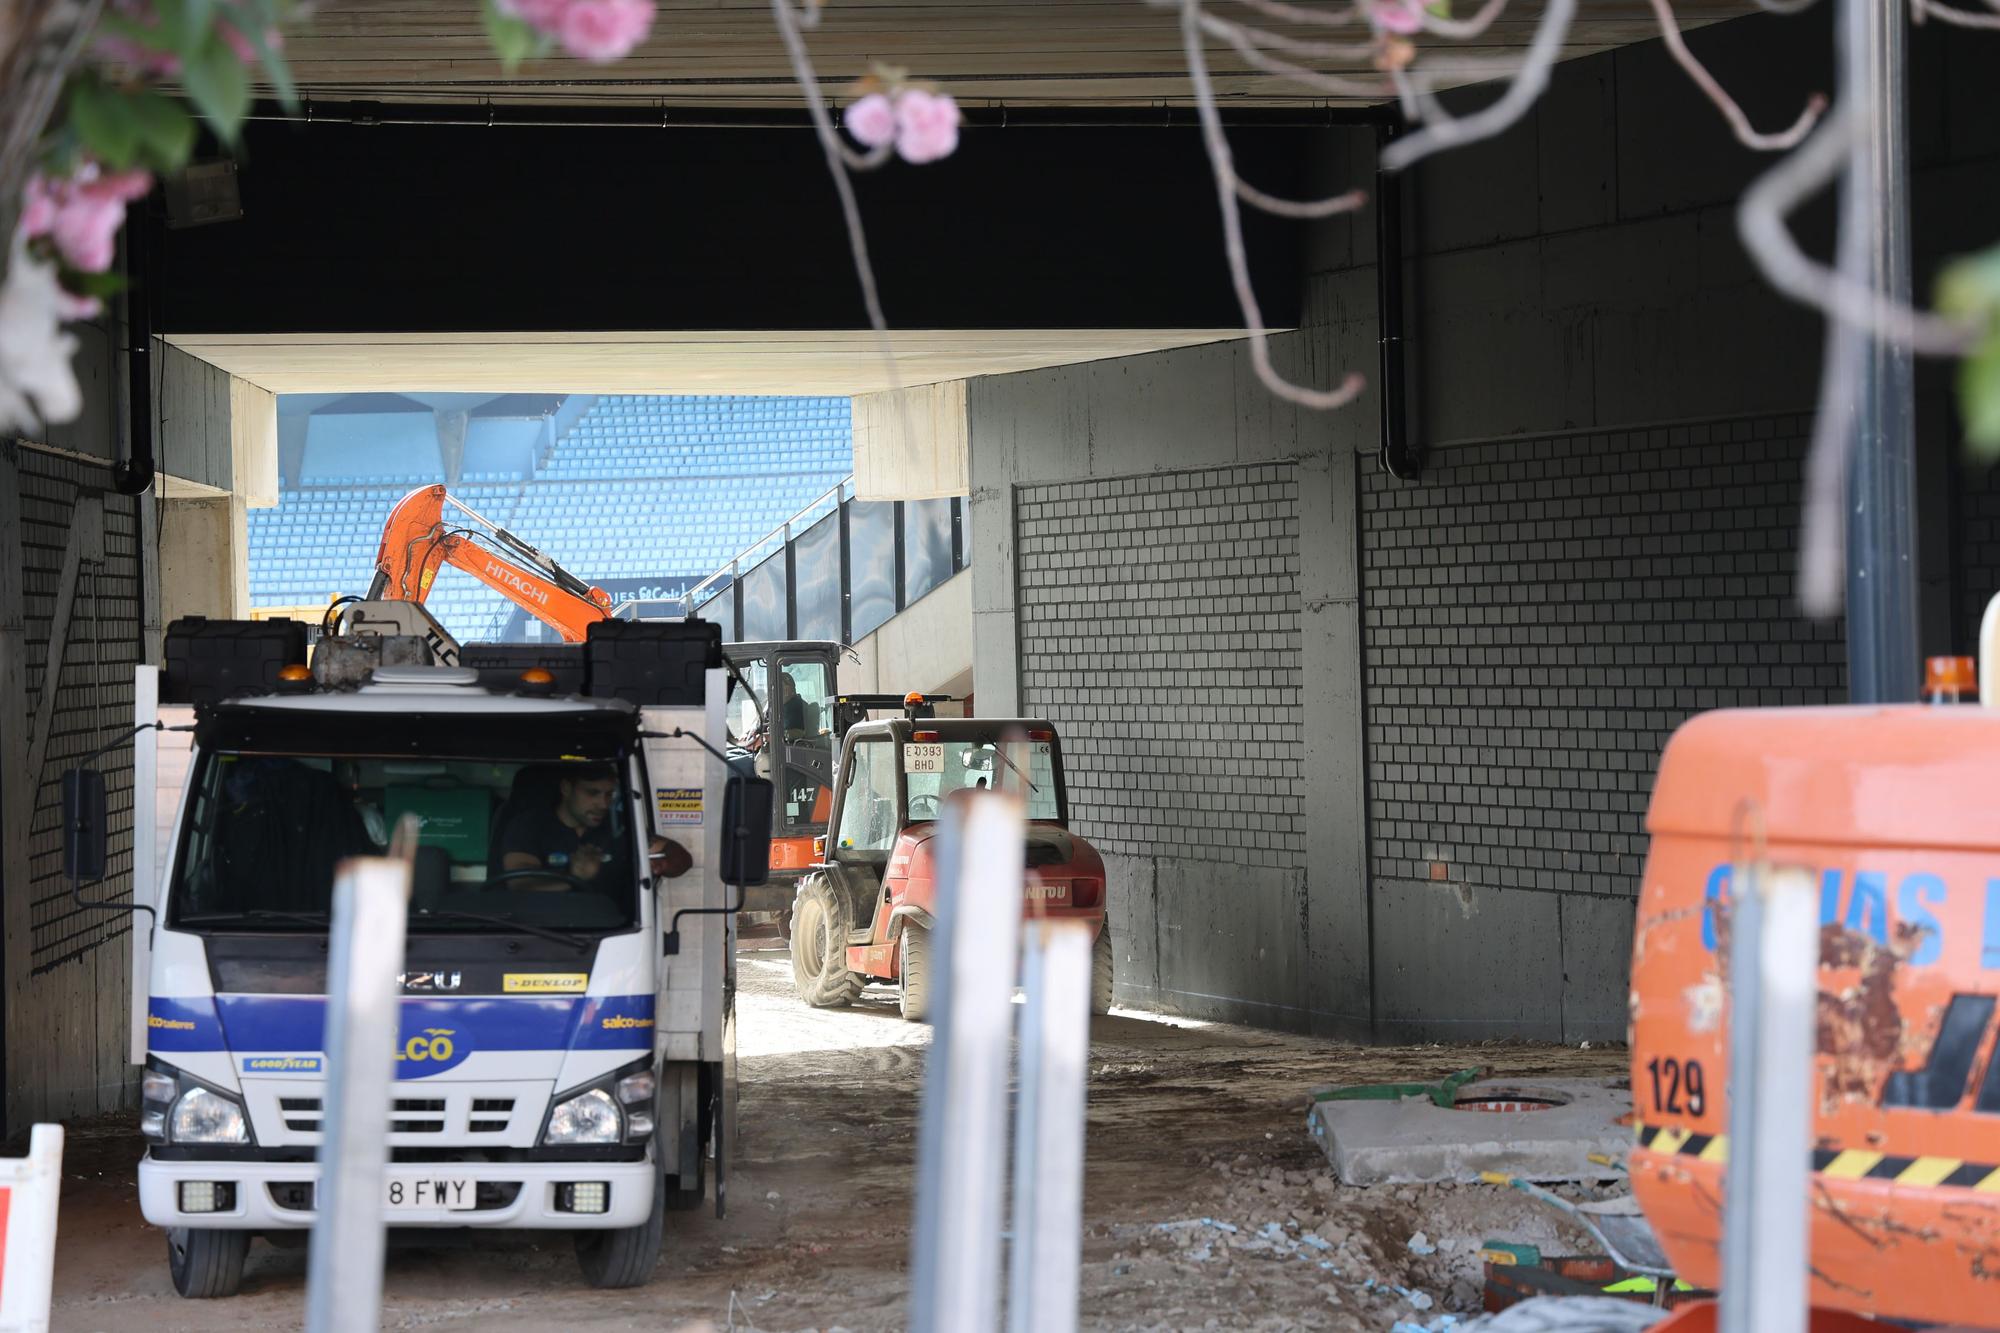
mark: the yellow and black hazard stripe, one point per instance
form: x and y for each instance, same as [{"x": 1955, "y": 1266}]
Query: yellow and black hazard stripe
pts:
[{"x": 1839, "y": 1163}]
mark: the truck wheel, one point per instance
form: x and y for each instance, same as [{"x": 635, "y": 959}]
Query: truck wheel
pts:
[
  {"x": 913, "y": 991},
  {"x": 205, "y": 1262},
  {"x": 820, "y": 922},
  {"x": 624, "y": 1257},
  {"x": 1100, "y": 971}
]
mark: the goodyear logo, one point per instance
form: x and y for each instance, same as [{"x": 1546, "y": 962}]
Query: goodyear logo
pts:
[
  {"x": 626, "y": 1021},
  {"x": 544, "y": 983},
  {"x": 283, "y": 1064},
  {"x": 176, "y": 1024},
  {"x": 431, "y": 1051}
]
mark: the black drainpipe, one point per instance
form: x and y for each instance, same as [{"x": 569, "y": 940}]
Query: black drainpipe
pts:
[
  {"x": 1398, "y": 456},
  {"x": 134, "y": 476}
]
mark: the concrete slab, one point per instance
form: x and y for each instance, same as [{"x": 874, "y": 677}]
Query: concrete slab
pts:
[{"x": 1415, "y": 1142}]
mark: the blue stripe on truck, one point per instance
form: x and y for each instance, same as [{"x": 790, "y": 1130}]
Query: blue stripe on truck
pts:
[{"x": 297, "y": 1023}]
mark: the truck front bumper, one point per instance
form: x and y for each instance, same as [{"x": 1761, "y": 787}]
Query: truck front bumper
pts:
[{"x": 279, "y": 1196}]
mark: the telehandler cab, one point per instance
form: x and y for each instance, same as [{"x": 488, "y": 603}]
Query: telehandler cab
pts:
[{"x": 866, "y": 912}]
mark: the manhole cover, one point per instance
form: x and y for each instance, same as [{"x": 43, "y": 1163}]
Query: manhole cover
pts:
[{"x": 1506, "y": 1101}]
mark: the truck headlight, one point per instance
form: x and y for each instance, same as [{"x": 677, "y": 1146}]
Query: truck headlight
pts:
[
  {"x": 588, "y": 1117},
  {"x": 201, "y": 1116}
]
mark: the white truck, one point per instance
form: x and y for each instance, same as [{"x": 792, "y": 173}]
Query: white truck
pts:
[{"x": 565, "y": 1055}]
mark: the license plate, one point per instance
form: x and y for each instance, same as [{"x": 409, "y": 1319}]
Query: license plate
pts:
[
  {"x": 412, "y": 1193},
  {"x": 923, "y": 757}
]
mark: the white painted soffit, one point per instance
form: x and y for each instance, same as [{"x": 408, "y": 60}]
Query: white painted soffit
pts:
[{"x": 840, "y": 362}]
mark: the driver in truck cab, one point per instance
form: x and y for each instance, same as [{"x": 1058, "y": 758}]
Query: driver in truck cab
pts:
[{"x": 574, "y": 836}]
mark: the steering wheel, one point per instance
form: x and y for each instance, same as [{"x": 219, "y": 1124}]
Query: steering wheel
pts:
[
  {"x": 539, "y": 872},
  {"x": 918, "y": 803}
]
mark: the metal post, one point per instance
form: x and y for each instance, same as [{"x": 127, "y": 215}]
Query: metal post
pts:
[
  {"x": 1048, "y": 1130},
  {"x": 846, "y": 572},
  {"x": 1882, "y": 647},
  {"x": 962, "y": 1135},
  {"x": 1774, "y": 973},
  {"x": 371, "y": 897}
]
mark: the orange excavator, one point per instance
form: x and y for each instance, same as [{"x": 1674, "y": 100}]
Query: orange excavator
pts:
[{"x": 419, "y": 539}]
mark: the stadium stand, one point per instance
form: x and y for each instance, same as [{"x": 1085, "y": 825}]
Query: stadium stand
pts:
[{"x": 615, "y": 488}]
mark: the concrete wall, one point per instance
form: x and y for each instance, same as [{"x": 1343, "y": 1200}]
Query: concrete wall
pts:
[
  {"x": 926, "y": 646},
  {"x": 1163, "y": 565},
  {"x": 1614, "y": 405}
]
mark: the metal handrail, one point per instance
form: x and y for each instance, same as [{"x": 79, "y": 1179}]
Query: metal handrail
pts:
[{"x": 734, "y": 568}]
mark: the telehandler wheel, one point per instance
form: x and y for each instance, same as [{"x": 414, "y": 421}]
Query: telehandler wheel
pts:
[
  {"x": 206, "y": 1263},
  {"x": 624, "y": 1257},
  {"x": 913, "y": 991},
  {"x": 820, "y": 923},
  {"x": 1100, "y": 971}
]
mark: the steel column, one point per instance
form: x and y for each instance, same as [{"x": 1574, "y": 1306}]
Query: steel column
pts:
[{"x": 1882, "y": 647}]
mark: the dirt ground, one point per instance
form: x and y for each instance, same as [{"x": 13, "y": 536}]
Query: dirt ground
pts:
[{"x": 1206, "y": 1203}]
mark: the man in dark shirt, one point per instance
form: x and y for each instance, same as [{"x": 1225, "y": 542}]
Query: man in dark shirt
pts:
[{"x": 574, "y": 837}]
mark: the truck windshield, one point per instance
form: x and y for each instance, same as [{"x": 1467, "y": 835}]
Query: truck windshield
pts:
[{"x": 531, "y": 844}]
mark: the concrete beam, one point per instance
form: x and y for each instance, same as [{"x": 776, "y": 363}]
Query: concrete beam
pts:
[{"x": 911, "y": 445}]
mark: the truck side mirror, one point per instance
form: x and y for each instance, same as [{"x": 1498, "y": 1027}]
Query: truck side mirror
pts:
[
  {"x": 84, "y": 831},
  {"x": 746, "y": 830}
]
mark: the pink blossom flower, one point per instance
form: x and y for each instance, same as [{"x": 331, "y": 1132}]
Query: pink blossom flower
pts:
[
  {"x": 35, "y": 375},
  {"x": 1398, "y": 16},
  {"x": 544, "y": 15},
  {"x": 605, "y": 30},
  {"x": 82, "y": 215},
  {"x": 245, "y": 49},
  {"x": 871, "y": 120},
  {"x": 926, "y": 125},
  {"x": 117, "y": 50}
]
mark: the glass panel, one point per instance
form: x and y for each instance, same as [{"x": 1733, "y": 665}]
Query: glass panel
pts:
[
  {"x": 868, "y": 808},
  {"x": 926, "y": 546},
  {"x": 743, "y": 716},
  {"x": 721, "y": 608},
  {"x": 871, "y": 540},
  {"x": 764, "y": 600},
  {"x": 970, "y": 764},
  {"x": 805, "y": 710},
  {"x": 816, "y": 563}
]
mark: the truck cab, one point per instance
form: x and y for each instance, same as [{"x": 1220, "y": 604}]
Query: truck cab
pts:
[{"x": 565, "y": 1045}]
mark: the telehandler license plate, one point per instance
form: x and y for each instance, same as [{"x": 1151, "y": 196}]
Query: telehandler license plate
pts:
[{"x": 411, "y": 1193}]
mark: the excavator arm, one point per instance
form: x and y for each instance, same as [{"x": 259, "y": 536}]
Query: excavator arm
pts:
[{"x": 419, "y": 539}]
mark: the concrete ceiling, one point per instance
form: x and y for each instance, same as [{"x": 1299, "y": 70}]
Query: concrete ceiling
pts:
[
  {"x": 726, "y": 52},
  {"x": 844, "y": 362}
]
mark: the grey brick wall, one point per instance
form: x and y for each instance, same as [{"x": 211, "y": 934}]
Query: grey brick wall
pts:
[
  {"x": 1541, "y": 614},
  {"x": 67, "y": 1015},
  {"x": 1159, "y": 629}
]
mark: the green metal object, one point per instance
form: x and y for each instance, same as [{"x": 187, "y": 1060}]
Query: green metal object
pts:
[
  {"x": 1511, "y": 1253},
  {"x": 1443, "y": 1093}
]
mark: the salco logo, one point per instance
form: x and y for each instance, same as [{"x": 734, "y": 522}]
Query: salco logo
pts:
[
  {"x": 429, "y": 981},
  {"x": 617, "y": 1021},
  {"x": 173, "y": 1024},
  {"x": 432, "y": 1051}
]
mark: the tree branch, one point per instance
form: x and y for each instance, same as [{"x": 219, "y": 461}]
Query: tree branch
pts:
[
  {"x": 1760, "y": 221},
  {"x": 1670, "y": 31},
  {"x": 1450, "y": 132},
  {"x": 1226, "y": 188}
]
